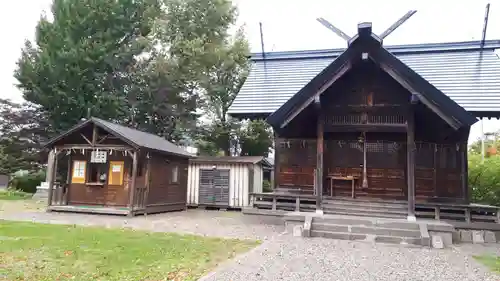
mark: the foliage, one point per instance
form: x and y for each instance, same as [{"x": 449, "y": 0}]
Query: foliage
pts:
[
  {"x": 14, "y": 195},
  {"x": 81, "y": 60},
  {"x": 256, "y": 139},
  {"x": 484, "y": 179},
  {"x": 20, "y": 136},
  {"x": 492, "y": 262},
  {"x": 58, "y": 252},
  {"x": 266, "y": 186},
  {"x": 27, "y": 182}
]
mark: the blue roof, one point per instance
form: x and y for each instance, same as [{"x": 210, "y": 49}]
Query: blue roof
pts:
[{"x": 462, "y": 70}]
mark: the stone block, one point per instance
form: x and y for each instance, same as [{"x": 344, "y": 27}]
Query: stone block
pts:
[
  {"x": 477, "y": 236},
  {"x": 297, "y": 230},
  {"x": 466, "y": 236},
  {"x": 446, "y": 237},
  {"x": 306, "y": 232},
  {"x": 456, "y": 237},
  {"x": 437, "y": 242},
  {"x": 489, "y": 237}
]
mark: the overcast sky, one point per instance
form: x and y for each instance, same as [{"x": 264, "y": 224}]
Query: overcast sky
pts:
[{"x": 291, "y": 25}]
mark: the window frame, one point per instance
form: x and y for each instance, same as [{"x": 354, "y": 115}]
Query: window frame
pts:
[
  {"x": 77, "y": 166},
  {"x": 174, "y": 174}
]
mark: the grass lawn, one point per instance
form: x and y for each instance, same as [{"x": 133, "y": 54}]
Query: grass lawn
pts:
[
  {"x": 491, "y": 262},
  {"x": 14, "y": 195},
  {"x": 37, "y": 252}
]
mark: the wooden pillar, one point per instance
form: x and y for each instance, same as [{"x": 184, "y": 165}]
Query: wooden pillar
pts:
[
  {"x": 131, "y": 192},
  {"x": 51, "y": 174},
  {"x": 410, "y": 156},
  {"x": 94, "y": 135},
  {"x": 68, "y": 179},
  {"x": 464, "y": 172},
  {"x": 319, "y": 155},
  {"x": 364, "y": 183},
  {"x": 276, "y": 168}
]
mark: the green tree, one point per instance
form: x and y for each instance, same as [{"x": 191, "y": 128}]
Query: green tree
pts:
[
  {"x": 82, "y": 59},
  {"x": 20, "y": 136},
  {"x": 256, "y": 139}
]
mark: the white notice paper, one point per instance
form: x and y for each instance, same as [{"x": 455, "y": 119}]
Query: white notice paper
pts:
[{"x": 116, "y": 168}]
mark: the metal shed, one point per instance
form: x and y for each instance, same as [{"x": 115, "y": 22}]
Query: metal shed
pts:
[{"x": 225, "y": 181}]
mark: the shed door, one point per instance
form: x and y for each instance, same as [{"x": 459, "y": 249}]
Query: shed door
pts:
[{"x": 214, "y": 187}]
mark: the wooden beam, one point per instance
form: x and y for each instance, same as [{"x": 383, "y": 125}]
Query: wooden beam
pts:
[
  {"x": 86, "y": 139},
  {"x": 277, "y": 150},
  {"x": 410, "y": 152},
  {"x": 95, "y": 135},
  {"x": 103, "y": 139},
  {"x": 147, "y": 179},
  {"x": 327, "y": 85},
  {"x": 86, "y": 146},
  {"x": 464, "y": 172},
  {"x": 364, "y": 183},
  {"x": 132, "y": 184},
  {"x": 366, "y": 128},
  {"x": 68, "y": 178},
  {"x": 430, "y": 104},
  {"x": 51, "y": 175},
  {"x": 319, "y": 155}
]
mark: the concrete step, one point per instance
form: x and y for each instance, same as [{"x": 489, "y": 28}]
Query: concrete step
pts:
[
  {"x": 367, "y": 237},
  {"x": 360, "y": 209},
  {"x": 338, "y": 235},
  {"x": 365, "y": 200},
  {"x": 368, "y": 205},
  {"x": 375, "y": 230},
  {"x": 363, "y": 213},
  {"x": 373, "y": 222}
]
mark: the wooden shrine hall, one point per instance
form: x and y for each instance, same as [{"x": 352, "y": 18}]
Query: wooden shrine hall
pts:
[
  {"x": 364, "y": 124},
  {"x": 102, "y": 167}
]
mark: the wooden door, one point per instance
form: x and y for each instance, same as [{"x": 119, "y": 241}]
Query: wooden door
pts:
[{"x": 116, "y": 190}]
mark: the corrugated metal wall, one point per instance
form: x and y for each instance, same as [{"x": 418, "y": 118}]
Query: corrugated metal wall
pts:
[{"x": 238, "y": 182}]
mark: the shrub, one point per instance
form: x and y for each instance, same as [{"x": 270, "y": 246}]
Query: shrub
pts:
[
  {"x": 266, "y": 186},
  {"x": 27, "y": 182},
  {"x": 484, "y": 179}
]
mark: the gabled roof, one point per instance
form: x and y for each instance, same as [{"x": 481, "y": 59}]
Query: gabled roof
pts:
[
  {"x": 367, "y": 42},
  {"x": 468, "y": 75},
  {"x": 135, "y": 138}
]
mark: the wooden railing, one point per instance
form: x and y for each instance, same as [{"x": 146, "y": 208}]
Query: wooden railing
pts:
[
  {"x": 458, "y": 212},
  {"x": 288, "y": 202}
]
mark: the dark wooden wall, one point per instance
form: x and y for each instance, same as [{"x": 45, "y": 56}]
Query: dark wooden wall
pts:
[
  {"x": 368, "y": 99},
  {"x": 106, "y": 195},
  {"x": 165, "y": 195}
]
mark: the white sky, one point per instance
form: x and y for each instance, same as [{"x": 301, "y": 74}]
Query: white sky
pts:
[{"x": 291, "y": 25}]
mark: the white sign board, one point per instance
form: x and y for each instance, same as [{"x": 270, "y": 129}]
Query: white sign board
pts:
[
  {"x": 98, "y": 157},
  {"x": 116, "y": 168}
]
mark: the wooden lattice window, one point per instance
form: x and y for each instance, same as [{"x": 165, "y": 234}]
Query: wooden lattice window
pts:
[{"x": 79, "y": 171}]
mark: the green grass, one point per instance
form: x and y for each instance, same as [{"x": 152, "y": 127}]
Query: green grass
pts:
[
  {"x": 37, "y": 252},
  {"x": 492, "y": 262},
  {"x": 14, "y": 195}
]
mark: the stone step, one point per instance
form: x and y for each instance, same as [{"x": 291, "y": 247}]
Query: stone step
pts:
[
  {"x": 338, "y": 235},
  {"x": 360, "y": 209},
  {"x": 365, "y": 200},
  {"x": 375, "y": 230},
  {"x": 364, "y": 213},
  {"x": 365, "y": 237},
  {"x": 356, "y": 221},
  {"x": 368, "y": 205}
]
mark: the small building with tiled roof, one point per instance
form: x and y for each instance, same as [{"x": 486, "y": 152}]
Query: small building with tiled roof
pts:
[{"x": 102, "y": 167}]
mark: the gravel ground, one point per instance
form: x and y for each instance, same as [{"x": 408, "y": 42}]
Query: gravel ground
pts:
[
  {"x": 226, "y": 224},
  {"x": 289, "y": 258}
]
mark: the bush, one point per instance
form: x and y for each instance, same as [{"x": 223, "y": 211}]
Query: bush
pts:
[
  {"x": 27, "y": 182},
  {"x": 484, "y": 179},
  {"x": 266, "y": 186}
]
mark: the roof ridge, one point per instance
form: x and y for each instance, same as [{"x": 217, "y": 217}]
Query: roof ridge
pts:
[{"x": 396, "y": 49}]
